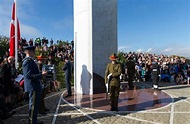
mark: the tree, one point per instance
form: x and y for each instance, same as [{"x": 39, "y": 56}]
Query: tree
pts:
[{"x": 4, "y": 45}]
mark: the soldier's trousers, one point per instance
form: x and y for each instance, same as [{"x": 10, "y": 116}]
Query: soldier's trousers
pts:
[
  {"x": 34, "y": 102},
  {"x": 114, "y": 94},
  {"x": 155, "y": 78}
]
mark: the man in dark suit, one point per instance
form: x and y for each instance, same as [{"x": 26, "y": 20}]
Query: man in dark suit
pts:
[
  {"x": 130, "y": 71},
  {"x": 32, "y": 83},
  {"x": 68, "y": 72}
]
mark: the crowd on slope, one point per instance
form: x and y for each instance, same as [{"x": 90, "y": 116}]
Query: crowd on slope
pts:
[{"x": 171, "y": 69}]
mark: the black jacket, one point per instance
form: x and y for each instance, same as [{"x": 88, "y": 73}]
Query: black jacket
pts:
[
  {"x": 5, "y": 74},
  {"x": 68, "y": 69}
]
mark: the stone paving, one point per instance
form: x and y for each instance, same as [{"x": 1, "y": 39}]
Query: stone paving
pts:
[{"x": 62, "y": 112}]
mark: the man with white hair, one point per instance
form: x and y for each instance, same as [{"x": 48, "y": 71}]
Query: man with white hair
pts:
[{"x": 8, "y": 81}]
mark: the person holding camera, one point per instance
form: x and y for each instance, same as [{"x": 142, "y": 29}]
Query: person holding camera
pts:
[
  {"x": 45, "y": 85},
  {"x": 32, "y": 83},
  {"x": 54, "y": 84}
]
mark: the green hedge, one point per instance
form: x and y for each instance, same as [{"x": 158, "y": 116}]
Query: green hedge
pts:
[{"x": 4, "y": 46}]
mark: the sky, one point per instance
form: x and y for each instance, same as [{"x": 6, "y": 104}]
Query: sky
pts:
[{"x": 154, "y": 26}]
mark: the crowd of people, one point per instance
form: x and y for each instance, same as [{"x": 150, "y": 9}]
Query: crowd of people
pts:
[
  {"x": 60, "y": 49},
  {"x": 170, "y": 69},
  {"x": 173, "y": 69},
  {"x": 12, "y": 92}
]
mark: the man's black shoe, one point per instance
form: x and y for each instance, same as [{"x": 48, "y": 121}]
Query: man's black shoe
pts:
[
  {"x": 8, "y": 114},
  {"x": 46, "y": 109},
  {"x": 157, "y": 89},
  {"x": 1, "y": 122},
  {"x": 115, "y": 109},
  {"x": 40, "y": 122},
  {"x": 68, "y": 96},
  {"x": 42, "y": 112},
  {"x": 112, "y": 109},
  {"x": 131, "y": 88}
]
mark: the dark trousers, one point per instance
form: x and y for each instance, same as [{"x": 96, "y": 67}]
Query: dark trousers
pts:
[
  {"x": 34, "y": 102},
  {"x": 42, "y": 102},
  {"x": 68, "y": 85},
  {"x": 2, "y": 108},
  {"x": 155, "y": 78},
  {"x": 114, "y": 95},
  {"x": 130, "y": 80}
]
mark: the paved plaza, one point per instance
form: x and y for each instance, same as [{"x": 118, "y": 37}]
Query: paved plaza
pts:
[{"x": 174, "y": 110}]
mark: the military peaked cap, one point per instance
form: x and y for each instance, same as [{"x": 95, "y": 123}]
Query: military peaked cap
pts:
[{"x": 29, "y": 47}]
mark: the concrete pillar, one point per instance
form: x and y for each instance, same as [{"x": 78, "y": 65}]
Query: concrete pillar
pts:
[{"x": 95, "y": 35}]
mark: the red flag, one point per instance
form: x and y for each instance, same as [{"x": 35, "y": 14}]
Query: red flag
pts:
[
  {"x": 18, "y": 30},
  {"x": 12, "y": 32}
]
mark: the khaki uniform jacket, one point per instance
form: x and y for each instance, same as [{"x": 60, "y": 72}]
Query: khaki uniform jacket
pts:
[{"x": 116, "y": 70}]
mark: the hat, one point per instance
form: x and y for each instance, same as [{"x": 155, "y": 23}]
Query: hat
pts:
[
  {"x": 113, "y": 57},
  {"x": 29, "y": 47},
  {"x": 40, "y": 58}
]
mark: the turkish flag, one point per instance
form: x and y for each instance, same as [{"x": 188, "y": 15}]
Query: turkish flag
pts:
[{"x": 12, "y": 32}]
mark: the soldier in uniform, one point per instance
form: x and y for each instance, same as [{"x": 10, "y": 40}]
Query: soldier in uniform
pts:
[
  {"x": 155, "y": 73},
  {"x": 130, "y": 64},
  {"x": 113, "y": 72},
  {"x": 32, "y": 83}
]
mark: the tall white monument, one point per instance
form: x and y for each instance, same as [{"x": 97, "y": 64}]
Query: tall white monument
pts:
[{"x": 95, "y": 38}]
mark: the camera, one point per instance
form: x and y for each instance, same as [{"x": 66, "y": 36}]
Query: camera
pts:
[
  {"x": 48, "y": 68},
  {"x": 50, "y": 71},
  {"x": 44, "y": 41}
]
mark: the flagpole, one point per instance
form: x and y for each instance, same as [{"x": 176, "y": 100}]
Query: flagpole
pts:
[{"x": 16, "y": 36}]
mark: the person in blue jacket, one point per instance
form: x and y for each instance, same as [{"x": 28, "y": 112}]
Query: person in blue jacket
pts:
[{"x": 32, "y": 83}]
